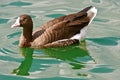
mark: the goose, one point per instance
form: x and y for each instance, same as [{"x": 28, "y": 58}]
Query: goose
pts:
[{"x": 59, "y": 32}]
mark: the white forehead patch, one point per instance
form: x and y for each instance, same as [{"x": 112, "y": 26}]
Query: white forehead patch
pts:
[{"x": 17, "y": 23}]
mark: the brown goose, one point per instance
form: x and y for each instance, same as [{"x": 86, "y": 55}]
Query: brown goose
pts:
[{"x": 62, "y": 31}]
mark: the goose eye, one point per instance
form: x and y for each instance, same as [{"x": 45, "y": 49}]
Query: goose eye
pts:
[{"x": 23, "y": 21}]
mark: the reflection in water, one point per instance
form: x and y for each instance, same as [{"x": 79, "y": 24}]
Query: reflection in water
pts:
[
  {"x": 26, "y": 64},
  {"x": 74, "y": 55}
]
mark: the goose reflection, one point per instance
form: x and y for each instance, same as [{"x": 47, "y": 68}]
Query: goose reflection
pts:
[
  {"x": 74, "y": 55},
  {"x": 25, "y": 65}
]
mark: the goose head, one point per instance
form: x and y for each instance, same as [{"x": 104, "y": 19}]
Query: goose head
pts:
[
  {"x": 23, "y": 21},
  {"x": 26, "y": 23}
]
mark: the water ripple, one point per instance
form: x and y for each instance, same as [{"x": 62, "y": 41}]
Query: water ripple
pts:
[
  {"x": 109, "y": 41},
  {"x": 101, "y": 20},
  {"x": 103, "y": 69},
  {"x": 3, "y": 20},
  {"x": 13, "y": 35},
  {"x": 55, "y": 15},
  {"x": 20, "y": 3},
  {"x": 6, "y": 51},
  {"x": 96, "y": 1},
  {"x": 15, "y": 43},
  {"x": 17, "y": 3}
]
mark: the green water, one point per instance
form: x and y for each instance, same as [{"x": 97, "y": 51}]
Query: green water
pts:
[{"x": 97, "y": 58}]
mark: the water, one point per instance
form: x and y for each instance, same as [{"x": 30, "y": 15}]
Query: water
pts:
[{"x": 96, "y": 59}]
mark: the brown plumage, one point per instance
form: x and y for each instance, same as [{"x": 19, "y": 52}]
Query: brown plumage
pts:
[{"x": 57, "y": 32}]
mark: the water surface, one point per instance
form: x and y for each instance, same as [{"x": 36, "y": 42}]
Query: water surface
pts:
[{"x": 96, "y": 59}]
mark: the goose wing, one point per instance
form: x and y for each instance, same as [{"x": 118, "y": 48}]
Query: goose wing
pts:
[
  {"x": 68, "y": 27},
  {"x": 72, "y": 20}
]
